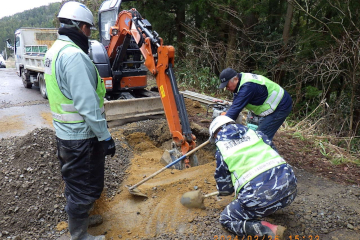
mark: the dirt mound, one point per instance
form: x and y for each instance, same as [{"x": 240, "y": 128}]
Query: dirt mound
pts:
[
  {"x": 31, "y": 190},
  {"x": 140, "y": 142},
  {"x": 32, "y": 200}
]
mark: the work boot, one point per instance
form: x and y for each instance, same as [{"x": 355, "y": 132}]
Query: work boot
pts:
[
  {"x": 262, "y": 228},
  {"x": 78, "y": 230}
]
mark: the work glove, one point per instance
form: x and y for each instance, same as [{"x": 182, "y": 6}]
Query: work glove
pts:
[{"x": 109, "y": 146}]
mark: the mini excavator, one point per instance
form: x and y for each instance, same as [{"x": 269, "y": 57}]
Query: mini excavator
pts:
[{"x": 128, "y": 48}]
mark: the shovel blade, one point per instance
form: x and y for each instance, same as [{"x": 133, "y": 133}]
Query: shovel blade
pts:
[
  {"x": 193, "y": 199},
  {"x": 136, "y": 192}
]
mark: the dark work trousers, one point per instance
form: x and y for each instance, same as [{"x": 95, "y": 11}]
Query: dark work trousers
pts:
[
  {"x": 271, "y": 123},
  {"x": 260, "y": 197},
  {"x": 82, "y": 168}
]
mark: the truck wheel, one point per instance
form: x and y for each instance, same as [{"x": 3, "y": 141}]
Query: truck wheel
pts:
[
  {"x": 42, "y": 85},
  {"x": 26, "y": 79}
]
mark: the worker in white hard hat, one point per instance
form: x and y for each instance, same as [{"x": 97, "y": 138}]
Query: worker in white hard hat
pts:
[
  {"x": 76, "y": 96},
  {"x": 247, "y": 164}
]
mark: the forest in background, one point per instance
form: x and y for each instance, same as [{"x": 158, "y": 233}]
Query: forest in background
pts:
[
  {"x": 42, "y": 17},
  {"x": 310, "y": 47}
]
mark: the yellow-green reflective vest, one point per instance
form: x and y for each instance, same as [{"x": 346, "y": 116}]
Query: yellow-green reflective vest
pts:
[
  {"x": 62, "y": 108},
  {"x": 275, "y": 94},
  {"x": 248, "y": 157}
]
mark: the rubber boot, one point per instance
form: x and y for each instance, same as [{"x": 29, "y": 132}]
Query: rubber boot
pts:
[
  {"x": 78, "y": 230},
  {"x": 262, "y": 228}
]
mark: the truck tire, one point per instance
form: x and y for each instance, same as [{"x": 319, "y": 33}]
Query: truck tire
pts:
[
  {"x": 42, "y": 85},
  {"x": 26, "y": 79}
]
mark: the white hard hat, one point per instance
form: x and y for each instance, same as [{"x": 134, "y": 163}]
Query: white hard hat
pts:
[
  {"x": 77, "y": 12},
  {"x": 217, "y": 123}
]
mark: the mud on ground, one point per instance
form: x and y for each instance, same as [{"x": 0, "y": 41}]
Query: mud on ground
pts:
[{"x": 32, "y": 201}]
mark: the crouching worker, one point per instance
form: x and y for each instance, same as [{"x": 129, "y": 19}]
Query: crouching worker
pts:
[{"x": 262, "y": 180}]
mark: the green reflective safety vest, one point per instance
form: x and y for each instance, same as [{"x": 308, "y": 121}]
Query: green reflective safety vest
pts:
[
  {"x": 62, "y": 108},
  {"x": 248, "y": 157},
  {"x": 275, "y": 94}
]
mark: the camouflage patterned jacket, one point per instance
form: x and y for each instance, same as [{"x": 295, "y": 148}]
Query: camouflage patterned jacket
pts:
[{"x": 222, "y": 173}]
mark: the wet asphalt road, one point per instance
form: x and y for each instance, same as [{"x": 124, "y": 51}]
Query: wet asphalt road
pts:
[{"x": 21, "y": 109}]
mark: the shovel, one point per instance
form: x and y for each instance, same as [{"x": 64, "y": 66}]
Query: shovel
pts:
[
  {"x": 195, "y": 199},
  {"x": 134, "y": 191}
]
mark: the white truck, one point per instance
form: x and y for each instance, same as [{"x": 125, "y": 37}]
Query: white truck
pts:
[{"x": 30, "y": 47}]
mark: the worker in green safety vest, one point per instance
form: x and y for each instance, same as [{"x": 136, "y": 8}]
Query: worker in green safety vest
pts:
[
  {"x": 76, "y": 96},
  {"x": 260, "y": 95},
  {"x": 248, "y": 165}
]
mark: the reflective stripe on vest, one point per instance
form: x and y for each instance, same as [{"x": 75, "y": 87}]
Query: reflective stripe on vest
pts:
[
  {"x": 246, "y": 177},
  {"x": 248, "y": 157},
  {"x": 275, "y": 94},
  {"x": 62, "y": 108},
  {"x": 71, "y": 108},
  {"x": 70, "y": 117}
]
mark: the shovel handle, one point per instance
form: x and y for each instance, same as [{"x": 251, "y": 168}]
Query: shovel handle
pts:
[
  {"x": 169, "y": 165},
  {"x": 211, "y": 194}
]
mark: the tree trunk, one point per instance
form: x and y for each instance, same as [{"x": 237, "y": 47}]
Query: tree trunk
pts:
[
  {"x": 279, "y": 74},
  {"x": 179, "y": 20},
  {"x": 352, "y": 101},
  {"x": 287, "y": 25},
  {"x": 231, "y": 49},
  {"x": 298, "y": 96}
]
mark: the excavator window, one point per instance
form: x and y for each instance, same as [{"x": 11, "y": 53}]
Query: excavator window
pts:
[{"x": 107, "y": 19}]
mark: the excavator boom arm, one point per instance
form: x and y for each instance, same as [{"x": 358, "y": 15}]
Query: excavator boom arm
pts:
[{"x": 159, "y": 60}]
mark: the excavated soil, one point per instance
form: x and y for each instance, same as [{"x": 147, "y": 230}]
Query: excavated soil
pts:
[{"x": 32, "y": 200}]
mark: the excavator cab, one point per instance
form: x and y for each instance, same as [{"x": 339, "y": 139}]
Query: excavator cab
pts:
[
  {"x": 108, "y": 15},
  {"x": 124, "y": 74}
]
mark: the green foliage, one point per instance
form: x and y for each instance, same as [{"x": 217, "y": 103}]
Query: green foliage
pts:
[
  {"x": 260, "y": 72},
  {"x": 339, "y": 160},
  {"x": 199, "y": 78},
  {"x": 312, "y": 92},
  {"x": 323, "y": 150},
  {"x": 41, "y": 17},
  {"x": 299, "y": 135}
]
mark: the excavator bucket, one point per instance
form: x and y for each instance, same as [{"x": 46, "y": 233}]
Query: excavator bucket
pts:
[
  {"x": 173, "y": 154},
  {"x": 170, "y": 156}
]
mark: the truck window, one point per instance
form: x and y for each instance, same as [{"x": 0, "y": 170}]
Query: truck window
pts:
[
  {"x": 17, "y": 43},
  {"x": 35, "y": 49}
]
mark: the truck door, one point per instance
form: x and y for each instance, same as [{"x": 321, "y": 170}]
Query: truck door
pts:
[{"x": 18, "y": 53}]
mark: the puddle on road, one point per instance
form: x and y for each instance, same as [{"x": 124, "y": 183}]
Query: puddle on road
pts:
[
  {"x": 47, "y": 117},
  {"x": 13, "y": 123}
]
